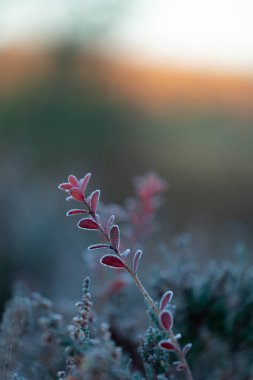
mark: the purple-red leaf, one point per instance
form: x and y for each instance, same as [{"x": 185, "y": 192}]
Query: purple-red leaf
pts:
[
  {"x": 88, "y": 224},
  {"x": 76, "y": 193},
  {"x": 115, "y": 236},
  {"x": 84, "y": 182},
  {"x": 73, "y": 180},
  {"x": 166, "y": 298},
  {"x": 167, "y": 345},
  {"x": 187, "y": 348},
  {"x": 98, "y": 246},
  {"x": 136, "y": 260},
  {"x": 76, "y": 212},
  {"x": 94, "y": 200},
  {"x": 112, "y": 261},
  {"x": 65, "y": 186},
  {"x": 166, "y": 320}
]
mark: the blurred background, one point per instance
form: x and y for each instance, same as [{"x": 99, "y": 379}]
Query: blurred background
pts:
[{"x": 120, "y": 88}]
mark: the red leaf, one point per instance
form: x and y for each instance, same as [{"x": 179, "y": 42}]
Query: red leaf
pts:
[
  {"x": 76, "y": 193},
  {"x": 98, "y": 246},
  {"x": 65, "y": 186},
  {"x": 77, "y": 211},
  {"x": 166, "y": 320},
  {"x": 167, "y": 345},
  {"x": 166, "y": 298},
  {"x": 84, "y": 182},
  {"x": 112, "y": 261},
  {"x": 94, "y": 200},
  {"x": 73, "y": 180},
  {"x": 136, "y": 260},
  {"x": 88, "y": 224},
  {"x": 115, "y": 236}
]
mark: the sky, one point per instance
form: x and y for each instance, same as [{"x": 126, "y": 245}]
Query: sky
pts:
[{"x": 201, "y": 33}]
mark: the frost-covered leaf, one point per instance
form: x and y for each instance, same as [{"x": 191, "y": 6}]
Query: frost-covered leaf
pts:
[
  {"x": 166, "y": 320},
  {"x": 73, "y": 180},
  {"x": 167, "y": 345},
  {"x": 166, "y": 298},
  {"x": 65, "y": 186},
  {"x": 84, "y": 182},
  {"x": 76, "y": 212},
  {"x": 88, "y": 224},
  {"x": 136, "y": 260},
  {"x": 76, "y": 193},
  {"x": 187, "y": 348},
  {"x": 98, "y": 246},
  {"x": 112, "y": 261},
  {"x": 94, "y": 199},
  {"x": 115, "y": 236}
]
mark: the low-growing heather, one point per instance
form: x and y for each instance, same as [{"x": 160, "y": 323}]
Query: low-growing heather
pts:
[{"x": 199, "y": 322}]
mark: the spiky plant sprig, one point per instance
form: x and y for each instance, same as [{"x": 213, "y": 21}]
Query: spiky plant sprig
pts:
[
  {"x": 92, "y": 221},
  {"x": 79, "y": 333}
]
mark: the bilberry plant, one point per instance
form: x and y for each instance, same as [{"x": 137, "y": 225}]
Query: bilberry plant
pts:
[{"x": 141, "y": 212}]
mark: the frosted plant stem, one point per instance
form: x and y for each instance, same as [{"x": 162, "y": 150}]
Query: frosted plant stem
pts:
[{"x": 150, "y": 301}]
